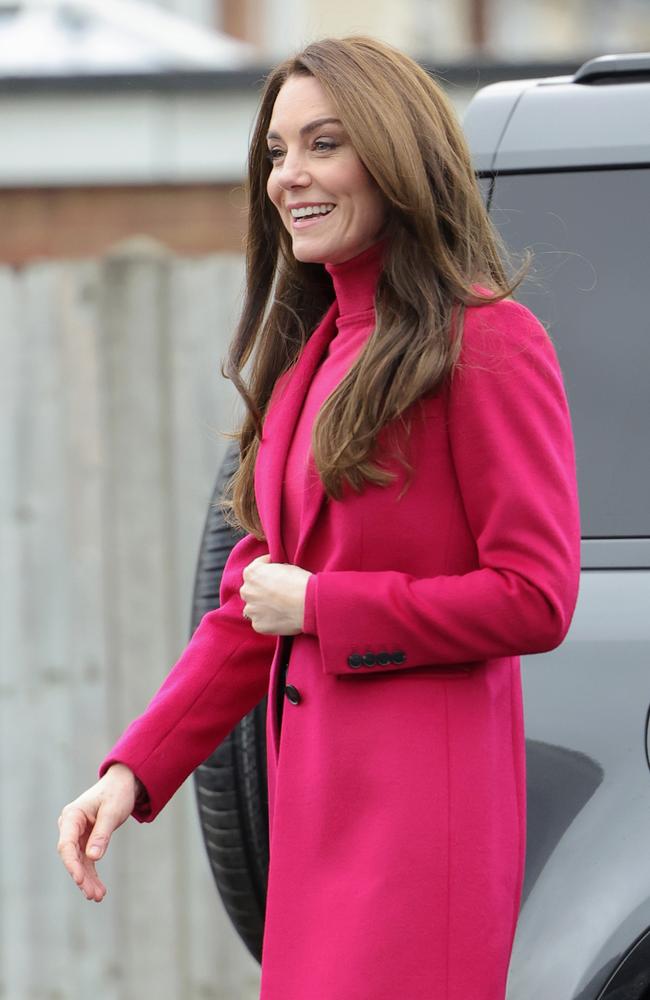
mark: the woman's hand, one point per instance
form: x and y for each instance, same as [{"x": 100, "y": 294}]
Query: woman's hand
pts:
[
  {"x": 274, "y": 596},
  {"x": 86, "y": 826}
]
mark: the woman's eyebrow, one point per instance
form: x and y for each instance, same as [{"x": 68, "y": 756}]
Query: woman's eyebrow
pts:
[{"x": 309, "y": 127}]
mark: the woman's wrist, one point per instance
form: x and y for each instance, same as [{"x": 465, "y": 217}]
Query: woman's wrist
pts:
[
  {"x": 141, "y": 794},
  {"x": 309, "y": 608}
]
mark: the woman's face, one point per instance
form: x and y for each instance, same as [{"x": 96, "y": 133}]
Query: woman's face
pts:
[{"x": 313, "y": 163}]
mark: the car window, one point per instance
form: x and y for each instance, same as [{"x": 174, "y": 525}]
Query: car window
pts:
[{"x": 590, "y": 285}]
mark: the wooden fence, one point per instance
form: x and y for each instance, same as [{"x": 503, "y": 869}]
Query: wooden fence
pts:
[{"x": 111, "y": 399}]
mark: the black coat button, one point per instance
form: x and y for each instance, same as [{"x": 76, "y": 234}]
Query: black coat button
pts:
[
  {"x": 369, "y": 659},
  {"x": 292, "y": 693},
  {"x": 355, "y": 660},
  {"x": 398, "y": 656},
  {"x": 383, "y": 659}
]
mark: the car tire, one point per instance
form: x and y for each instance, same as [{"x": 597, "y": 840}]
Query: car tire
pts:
[{"x": 230, "y": 786}]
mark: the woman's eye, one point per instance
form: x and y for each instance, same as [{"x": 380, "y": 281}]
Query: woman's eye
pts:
[{"x": 274, "y": 153}]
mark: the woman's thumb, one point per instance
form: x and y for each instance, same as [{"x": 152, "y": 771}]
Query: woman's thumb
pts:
[{"x": 100, "y": 835}]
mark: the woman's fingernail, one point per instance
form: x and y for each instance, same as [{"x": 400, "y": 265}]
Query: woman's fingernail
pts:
[{"x": 94, "y": 851}]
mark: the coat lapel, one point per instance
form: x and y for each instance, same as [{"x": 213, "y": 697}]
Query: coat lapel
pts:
[
  {"x": 279, "y": 425},
  {"x": 313, "y": 500}
]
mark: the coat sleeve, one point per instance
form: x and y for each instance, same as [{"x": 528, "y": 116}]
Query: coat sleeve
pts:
[
  {"x": 220, "y": 677},
  {"x": 512, "y": 447}
]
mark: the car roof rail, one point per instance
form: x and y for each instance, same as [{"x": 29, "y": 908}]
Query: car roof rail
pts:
[{"x": 614, "y": 68}]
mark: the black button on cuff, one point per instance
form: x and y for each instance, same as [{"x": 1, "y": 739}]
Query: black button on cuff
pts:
[
  {"x": 355, "y": 660},
  {"x": 292, "y": 693},
  {"x": 398, "y": 656},
  {"x": 369, "y": 659},
  {"x": 383, "y": 659}
]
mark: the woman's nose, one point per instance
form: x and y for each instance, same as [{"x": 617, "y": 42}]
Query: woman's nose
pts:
[{"x": 291, "y": 172}]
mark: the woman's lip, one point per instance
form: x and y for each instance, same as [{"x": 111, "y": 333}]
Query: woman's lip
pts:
[{"x": 309, "y": 220}]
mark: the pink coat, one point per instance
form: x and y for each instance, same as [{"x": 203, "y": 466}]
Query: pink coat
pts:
[{"x": 397, "y": 789}]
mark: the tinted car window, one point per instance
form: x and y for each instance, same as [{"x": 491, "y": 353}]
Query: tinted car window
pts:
[{"x": 590, "y": 286}]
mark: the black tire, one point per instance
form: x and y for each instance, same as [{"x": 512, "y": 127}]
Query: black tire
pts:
[{"x": 230, "y": 786}]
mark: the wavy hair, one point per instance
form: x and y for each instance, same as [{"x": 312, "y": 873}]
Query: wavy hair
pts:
[{"x": 440, "y": 246}]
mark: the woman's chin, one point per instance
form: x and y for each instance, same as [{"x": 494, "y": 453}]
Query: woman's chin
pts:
[{"x": 309, "y": 255}]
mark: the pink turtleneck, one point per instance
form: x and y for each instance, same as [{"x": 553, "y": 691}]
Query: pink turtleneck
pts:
[{"x": 355, "y": 282}]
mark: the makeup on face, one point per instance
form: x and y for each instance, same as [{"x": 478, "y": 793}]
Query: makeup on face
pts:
[{"x": 323, "y": 193}]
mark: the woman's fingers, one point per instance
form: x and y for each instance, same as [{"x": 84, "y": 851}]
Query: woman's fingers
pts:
[
  {"x": 87, "y": 824},
  {"x": 74, "y": 827},
  {"x": 108, "y": 819},
  {"x": 273, "y": 596}
]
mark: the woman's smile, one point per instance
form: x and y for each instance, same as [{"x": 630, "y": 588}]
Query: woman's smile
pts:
[{"x": 316, "y": 216}]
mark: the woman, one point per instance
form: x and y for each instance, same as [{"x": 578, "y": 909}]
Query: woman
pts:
[{"x": 407, "y": 481}]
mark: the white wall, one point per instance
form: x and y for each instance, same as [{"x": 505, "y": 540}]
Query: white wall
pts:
[{"x": 112, "y": 138}]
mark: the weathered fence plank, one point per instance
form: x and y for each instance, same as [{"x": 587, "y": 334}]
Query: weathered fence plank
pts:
[{"x": 111, "y": 400}]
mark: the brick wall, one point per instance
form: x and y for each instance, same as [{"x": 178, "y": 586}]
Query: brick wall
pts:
[{"x": 78, "y": 222}]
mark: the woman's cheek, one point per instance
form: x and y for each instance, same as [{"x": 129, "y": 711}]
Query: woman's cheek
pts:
[{"x": 272, "y": 190}]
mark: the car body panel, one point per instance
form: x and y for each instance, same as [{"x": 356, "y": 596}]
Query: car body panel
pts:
[
  {"x": 556, "y": 124},
  {"x": 586, "y": 897},
  {"x": 584, "y": 926},
  {"x": 486, "y": 118}
]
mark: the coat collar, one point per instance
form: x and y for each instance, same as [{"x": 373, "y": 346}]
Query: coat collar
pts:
[{"x": 279, "y": 424}]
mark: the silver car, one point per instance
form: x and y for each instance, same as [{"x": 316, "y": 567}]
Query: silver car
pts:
[{"x": 565, "y": 164}]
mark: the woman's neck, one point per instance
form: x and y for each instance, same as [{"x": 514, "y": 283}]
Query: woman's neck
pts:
[{"x": 355, "y": 280}]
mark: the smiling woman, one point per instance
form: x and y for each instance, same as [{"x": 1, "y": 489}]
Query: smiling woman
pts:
[{"x": 407, "y": 485}]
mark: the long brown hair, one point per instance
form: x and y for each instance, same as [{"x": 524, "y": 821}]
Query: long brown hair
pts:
[{"x": 440, "y": 242}]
